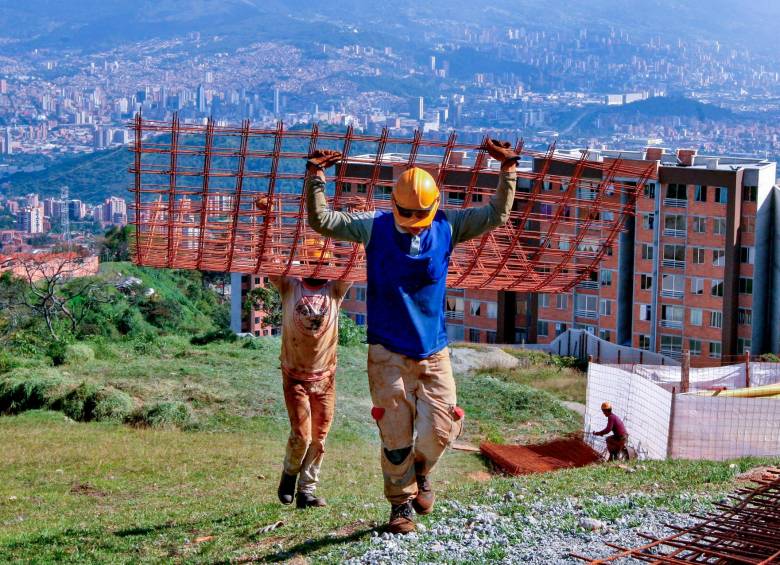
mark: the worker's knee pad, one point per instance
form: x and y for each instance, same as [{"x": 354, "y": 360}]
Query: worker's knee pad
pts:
[{"x": 397, "y": 456}]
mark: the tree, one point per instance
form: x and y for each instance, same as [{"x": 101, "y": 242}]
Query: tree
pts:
[
  {"x": 268, "y": 300},
  {"x": 115, "y": 244},
  {"x": 51, "y": 287}
]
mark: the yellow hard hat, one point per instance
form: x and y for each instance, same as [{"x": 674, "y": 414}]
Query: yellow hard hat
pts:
[
  {"x": 606, "y": 406},
  {"x": 415, "y": 199},
  {"x": 313, "y": 250}
]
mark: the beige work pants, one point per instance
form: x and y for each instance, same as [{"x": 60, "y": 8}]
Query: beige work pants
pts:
[{"x": 414, "y": 407}]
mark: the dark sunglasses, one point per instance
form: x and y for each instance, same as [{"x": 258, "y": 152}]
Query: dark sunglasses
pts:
[{"x": 409, "y": 212}]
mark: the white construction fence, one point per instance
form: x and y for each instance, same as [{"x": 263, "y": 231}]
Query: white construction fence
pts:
[{"x": 665, "y": 424}]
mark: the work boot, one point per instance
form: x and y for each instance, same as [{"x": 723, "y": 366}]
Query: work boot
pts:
[
  {"x": 286, "y": 491},
  {"x": 401, "y": 519},
  {"x": 423, "y": 502},
  {"x": 307, "y": 500}
]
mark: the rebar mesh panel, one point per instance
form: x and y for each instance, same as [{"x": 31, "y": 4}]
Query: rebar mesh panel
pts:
[{"x": 200, "y": 190}]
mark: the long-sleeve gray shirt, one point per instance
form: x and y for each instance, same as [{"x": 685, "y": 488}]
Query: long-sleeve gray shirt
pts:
[{"x": 465, "y": 223}]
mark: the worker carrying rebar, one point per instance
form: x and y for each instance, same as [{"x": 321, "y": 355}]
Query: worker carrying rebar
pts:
[
  {"x": 310, "y": 314},
  {"x": 409, "y": 373},
  {"x": 616, "y": 443}
]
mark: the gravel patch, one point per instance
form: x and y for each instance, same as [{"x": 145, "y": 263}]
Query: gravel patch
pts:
[{"x": 519, "y": 527}]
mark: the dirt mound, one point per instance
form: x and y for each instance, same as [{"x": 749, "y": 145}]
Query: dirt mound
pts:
[{"x": 540, "y": 458}]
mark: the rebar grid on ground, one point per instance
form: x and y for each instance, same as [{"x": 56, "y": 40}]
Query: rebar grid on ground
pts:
[
  {"x": 747, "y": 531},
  {"x": 231, "y": 199}
]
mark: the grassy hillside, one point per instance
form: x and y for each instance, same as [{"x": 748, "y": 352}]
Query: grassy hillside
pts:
[{"x": 203, "y": 491}]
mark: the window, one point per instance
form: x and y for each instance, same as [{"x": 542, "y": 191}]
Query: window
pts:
[
  {"x": 671, "y": 343},
  {"x": 678, "y": 191},
  {"x": 348, "y": 295},
  {"x": 749, "y": 224},
  {"x": 747, "y": 255},
  {"x": 491, "y": 336},
  {"x": 673, "y": 314},
  {"x": 743, "y": 345},
  {"x": 647, "y": 251},
  {"x": 673, "y": 285},
  {"x": 745, "y": 316},
  {"x": 718, "y": 257},
  {"x": 721, "y": 194},
  {"x": 455, "y": 304},
  {"x": 749, "y": 193},
  {"x": 606, "y": 278},
  {"x": 699, "y": 224},
  {"x": 646, "y": 282},
  {"x": 674, "y": 223},
  {"x": 698, "y": 255},
  {"x": 360, "y": 319},
  {"x": 541, "y": 328},
  {"x": 716, "y": 319},
  {"x": 492, "y": 310},
  {"x": 644, "y": 342},
  {"x": 696, "y": 316},
  {"x": 649, "y": 190},
  {"x": 701, "y": 193},
  {"x": 360, "y": 293},
  {"x": 544, "y": 300},
  {"x": 697, "y": 285},
  {"x": 586, "y": 304},
  {"x": 362, "y": 188},
  {"x": 694, "y": 346},
  {"x": 457, "y": 333},
  {"x": 717, "y": 287},
  {"x": 473, "y": 335},
  {"x": 257, "y": 280},
  {"x": 647, "y": 221},
  {"x": 715, "y": 349},
  {"x": 560, "y": 327},
  {"x": 604, "y": 334},
  {"x": 645, "y": 313},
  {"x": 719, "y": 226},
  {"x": 257, "y": 319},
  {"x": 605, "y": 308},
  {"x": 561, "y": 301},
  {"x": 745, "y": 285},
  {"x": 475, "y": 308},
  {"x": 674, "y": 255}
]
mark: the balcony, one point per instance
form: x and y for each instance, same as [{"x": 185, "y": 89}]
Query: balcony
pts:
[
  {"x": 593, "y": 285},
  {"x": 672, "y": 293},
  {"x": 673, "y": 263},
  {"x": 673, "y": 353},
  {"x": 675, "y": 203},
  {"x": 592, "y": 314},
  {"x": 671, "y": 324},
  {"x": 674, "y": 233},
  {"x": 453, "y": 315}
]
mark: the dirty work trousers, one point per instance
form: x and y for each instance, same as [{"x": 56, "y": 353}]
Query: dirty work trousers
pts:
[
  {"x": 615, "y": 444},
  {"x": 310, "y": 406},
  {"x": 414, "y": 407}
]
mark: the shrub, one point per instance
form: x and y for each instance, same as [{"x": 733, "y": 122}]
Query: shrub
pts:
[
  {"x": 222, "y": 334},
  {"x": 78, "y": 353},
  {"x": 103, "y": 348},
  {"x": 18, "y": 394},
  {"x": 112, "y": 405},
  {"x": 7, "y": 362},
  {"x": 161, "y": 415},
  {"x": 79, "y": 403},
  {"x": 146, "y": 344},
  {"x": 569, "y": 362},
  {"x": 349, "y": 332},
  {"x": 57, "y": 351},
  {"x": 256, "y": 343}
]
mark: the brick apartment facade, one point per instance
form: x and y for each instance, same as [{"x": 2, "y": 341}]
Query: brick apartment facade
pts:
[{"x": 694, "y": 269}]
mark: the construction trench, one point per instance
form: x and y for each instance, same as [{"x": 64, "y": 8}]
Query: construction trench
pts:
[{"x": 558, "y": 454}]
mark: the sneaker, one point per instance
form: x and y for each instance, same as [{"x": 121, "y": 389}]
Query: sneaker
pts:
[
  {"x": 286, "y": 491},
  {"x": 401, "y": 519},
  {"x": 423, "y": 502},
  {"x": 306, "y": 500}
]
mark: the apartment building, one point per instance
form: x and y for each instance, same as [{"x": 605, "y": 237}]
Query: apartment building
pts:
[{"x": 693, "y": 269}]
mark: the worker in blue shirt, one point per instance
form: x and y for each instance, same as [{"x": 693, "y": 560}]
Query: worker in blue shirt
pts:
[{"x": 407, "y": 258}]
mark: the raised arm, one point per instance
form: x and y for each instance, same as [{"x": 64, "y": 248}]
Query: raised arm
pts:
[
  {"x": 472, "y": 222},
  {"x": 348, "y": 226}
]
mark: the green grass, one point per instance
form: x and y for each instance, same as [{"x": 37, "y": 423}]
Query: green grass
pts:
[{"x": 103, "y": 492}]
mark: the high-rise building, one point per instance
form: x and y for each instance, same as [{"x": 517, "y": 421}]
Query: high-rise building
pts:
[
  {"x": 693, "y": 270},
  {"x": 3, "y": 86},
  {"x": 8, "y": 144},
  {"x": 76, "y": 210},
  {"x": 30, "y": 220},
  {"x": 277, "y": 101},
  {"x": 200, "y": 99}
]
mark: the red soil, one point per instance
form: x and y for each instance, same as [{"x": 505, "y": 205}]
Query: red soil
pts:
[{"x": 526, "y": 459}]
